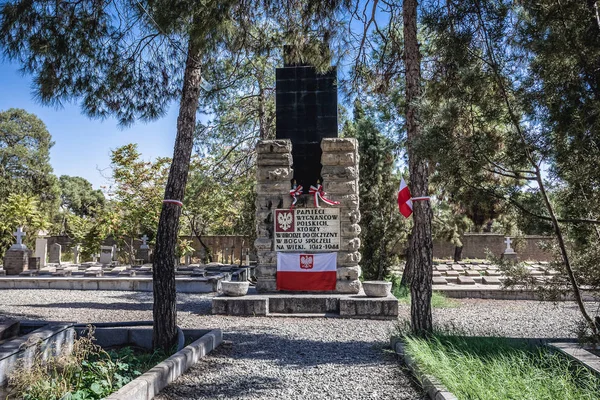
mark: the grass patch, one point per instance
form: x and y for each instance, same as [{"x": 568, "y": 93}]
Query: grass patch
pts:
[
  {"x": 490, "y": 368},
  {"x": 438, "y": 300},
  {"x": 89, "y": 372}
]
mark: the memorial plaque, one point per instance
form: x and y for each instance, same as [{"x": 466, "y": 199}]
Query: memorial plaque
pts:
[{"x": 307, "y": 229}]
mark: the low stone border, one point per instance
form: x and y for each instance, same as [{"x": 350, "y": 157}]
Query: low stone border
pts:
[
  {"x": 575, "y": 352},
  {"x": 149, "y": 384},
  {"x": 48, "y": 339},
  {"x": 434, "y": 388},
  {"x": 494, "y": 292}
]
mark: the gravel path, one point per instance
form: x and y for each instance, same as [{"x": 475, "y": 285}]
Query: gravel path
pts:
[{"x": 293, "y": 358}]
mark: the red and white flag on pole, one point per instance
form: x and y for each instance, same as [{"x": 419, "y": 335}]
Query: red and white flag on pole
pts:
[
  {"x": 404, "y": 199},
  {"x": 310, "y": 272}
]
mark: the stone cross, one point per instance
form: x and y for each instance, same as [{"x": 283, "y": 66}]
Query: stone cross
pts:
[
  {"x": 508, "y": 250},
  {"x": 144, "y": 242},
  {"x": 19, "y": 234}
]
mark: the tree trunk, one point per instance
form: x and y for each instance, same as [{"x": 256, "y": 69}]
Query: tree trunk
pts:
[
  {"x": 163, "y": 274},
  {"x": 421, "y": 244},
  {"x": 458, "y": 253}
]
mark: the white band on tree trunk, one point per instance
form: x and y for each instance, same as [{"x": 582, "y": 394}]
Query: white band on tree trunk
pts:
[{"x": 176, "y": 202}]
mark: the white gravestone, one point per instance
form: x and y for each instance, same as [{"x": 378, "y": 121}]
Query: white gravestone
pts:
[
  {"x": 19, "y": 235},
  {"x": 76, "y": 250},
  {"x": 106, "y": 254},
  {"x": 41, "y": 250},
  {"x": 508, "y": 250},
  {"x": 144, "y": 242},
  {"x": 115, "y": 253}
]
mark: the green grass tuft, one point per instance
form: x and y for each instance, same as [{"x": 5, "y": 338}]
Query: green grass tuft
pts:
[
  {"x": 491, "y": 368},
  {"x": 438, "y": 300}
]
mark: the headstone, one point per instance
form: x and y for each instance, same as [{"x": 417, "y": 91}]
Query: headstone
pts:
[
  {"x": 76, "y": 250},
  {"x": 188, "y": 259},
  {"x": 41, "y": 250},
  {"x": 34, "y": 263},
  {"x": 106, "y": 254},
  {"x": 247, "y": 261},
  {"x": 144, "y": 242},
  {"x": 54, "y": 255},
  {"x": 115, "y": 254},
  {"x": 16, "y": 258},
  {"x": 509, "y": 254},
  {"x": 145, "y": 254}
]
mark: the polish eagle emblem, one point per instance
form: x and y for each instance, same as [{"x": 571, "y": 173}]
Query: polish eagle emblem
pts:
[
  {"x": 306, "y": 261},
  {"x": 284, "y": 220}
]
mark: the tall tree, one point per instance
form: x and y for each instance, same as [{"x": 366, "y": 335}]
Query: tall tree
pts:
[
  {"x": 78, "y": 196},
  {"x": 25, "y": 159},
  {"x": 126, "y": 58},
  {"x": 420, "y": 259}
]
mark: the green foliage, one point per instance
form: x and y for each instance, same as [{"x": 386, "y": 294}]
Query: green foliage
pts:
[
  {"x": 78, "y": 196},
  {"x": 402, "y": 293},
  {"x": 20, "y": 210},
  {"x": 135, "y": 195},
  {"x": 89, "y": 372},
  {"x": 383, "y": 228},
  {"x": 499, "y": 369}
]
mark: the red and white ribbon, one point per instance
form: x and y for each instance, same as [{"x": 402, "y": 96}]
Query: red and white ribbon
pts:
[
  {"x": 297, "y": 191},
  {"x": 176, "y": 202},
  {"x": 320, "y": 194}
]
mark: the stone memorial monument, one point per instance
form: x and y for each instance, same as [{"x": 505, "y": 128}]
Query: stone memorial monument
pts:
[
  {"x": 509, "y": 253},
  {"x": 16, "y": 259},
  {"x": 41, "y": 250},
  {"x": 55, "y": 254},
  {"x": 106, "y": 254},
  {"x": 76, "y": 253},
  {"x": 307, "y": 191},
  {"x": 144, "y": 253}
]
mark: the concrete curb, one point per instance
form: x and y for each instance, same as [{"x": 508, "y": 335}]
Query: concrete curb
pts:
[
  {"x": 577, "y": 353},
  {"x": 434, "y": 388},
  {"x": 152, "y": 382}
]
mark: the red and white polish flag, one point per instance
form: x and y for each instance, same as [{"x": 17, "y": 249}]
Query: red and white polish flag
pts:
[
  {"x": 310, "y": 272},
  {"x": 404, "y": 199}
]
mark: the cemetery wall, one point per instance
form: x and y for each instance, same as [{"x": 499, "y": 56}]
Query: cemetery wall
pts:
[{"x": 475, "y": 245}]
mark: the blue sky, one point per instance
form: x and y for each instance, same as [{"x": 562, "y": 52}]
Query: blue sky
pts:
[{"x": 82, "y": 145}]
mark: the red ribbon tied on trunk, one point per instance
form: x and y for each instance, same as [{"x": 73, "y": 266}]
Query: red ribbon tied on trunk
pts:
[
  {"x": 296, "y": 191},
  {"x": 320, "y": 194}
]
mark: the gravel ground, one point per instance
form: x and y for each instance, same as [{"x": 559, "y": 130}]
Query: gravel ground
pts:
[{"x": 293, "y": 358}]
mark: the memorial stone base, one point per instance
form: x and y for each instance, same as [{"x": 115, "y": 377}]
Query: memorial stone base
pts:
[
  {"x": 339, "y": 171},
  {"x": 16, "y": 261}
]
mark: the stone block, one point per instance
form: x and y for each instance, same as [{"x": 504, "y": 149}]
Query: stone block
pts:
[
  {"x": 457, "y": 267},
  {"x": 349, "y": 202},
  {"x": 348, "y": 286},
  {"x": 465, "y": 280},
  {"x": 271, "y": 201},
  {"x": 266, "y": 285},
  {"x": 350, "y": 244},
  {"x": 303, "y": 304},
  {"x": 438, "y": 280},
  {"x": 16, "y": 261},
  {"x": 346, "y": 258},
  {"x": 492, "y": 272},
  {"x": 491, "y": 280},
  {"x": 338, "y": 144},
  {"x": 342, "y": 159},
  {"x": 442, "y": 268},
  {"x": 471, "y": 273},
  {"x": 274, "y": 174},
  {"x": 386, "y": 307},
  {"x": 340, "y": 187},
  {"x": 350, "y": 230},
  {"x": 452, "y": 273},
  {"x": 350, "y": 215},
  {"x": 266, "y": 271},
  {"x": 263, "y": 244},
  {"x": 348, "y": 273},
  {"x": 267, "y": 257},
  {"x": 336, "y": 173},
  {"x": 248, "y": 306},
  {"x": 274, "y": 146},
  {"x": 274, "y": 187},
  {"x": 274, "y": 160}
]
